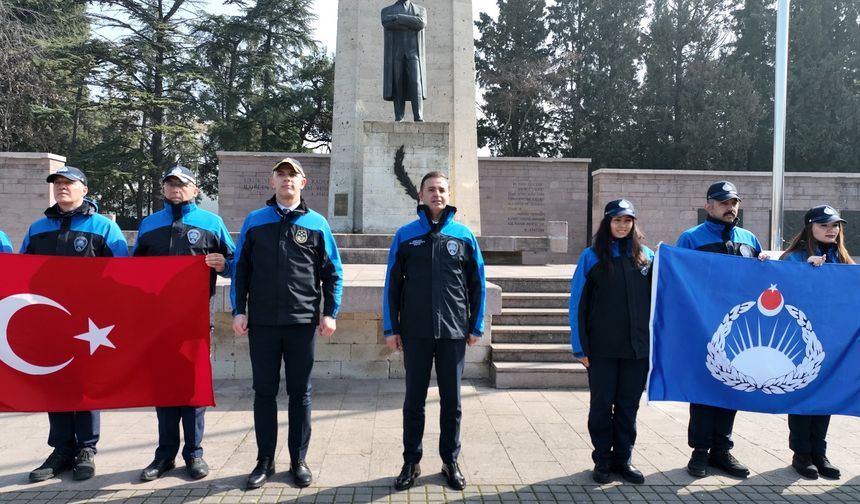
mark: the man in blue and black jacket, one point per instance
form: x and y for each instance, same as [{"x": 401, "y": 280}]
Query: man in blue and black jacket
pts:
[
  {"x": 182, "y": 229},
  {"x": 72, "y": 227},
  {"x": 709, "y": 432},
  {"x": 286, "y": 263},
  {"x": 433, "y": 306}
]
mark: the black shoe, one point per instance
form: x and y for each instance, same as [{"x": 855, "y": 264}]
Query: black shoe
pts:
[
  {"x": 85, "y": 464},
  {"x": 802, "y": 463},
  {"x": 302, "y": 475},
  {"x": 728, "y": 463},
  {"x": 155, "y": 469},
  {"x": 698, "y": 464},
  {"x": 197, "y": 468},
  {"x": 408, "y": 475},
  {"x": 455, "y": 478},
  {"x": 629, "y": 473},
  {"x": 55, "y": 464},
  {"x": 600, "y": 474},
  {"x": 825, "y": 468},
  {"x": 264, "y": 469}
]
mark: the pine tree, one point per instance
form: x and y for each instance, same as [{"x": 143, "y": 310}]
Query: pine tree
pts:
[{"x": 515, "y": 69}]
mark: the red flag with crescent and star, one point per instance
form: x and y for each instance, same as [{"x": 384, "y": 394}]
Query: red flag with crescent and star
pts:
[{"x": 93, "y": 333}]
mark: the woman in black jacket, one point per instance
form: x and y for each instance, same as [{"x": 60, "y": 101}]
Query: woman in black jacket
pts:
[{"x": 610, "y": 298}]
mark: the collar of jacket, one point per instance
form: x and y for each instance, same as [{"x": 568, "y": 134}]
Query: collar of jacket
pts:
[
  {"x": 621, "y": 246},
  {"x": 720, "y": 226},
  {"x": 88, "y": 207},
  {"x": 302, "y": 209},
  {"x": 828, "y": 250},
  {"x": 424, "y": 216},
  {"x": 180, "y": 209}
]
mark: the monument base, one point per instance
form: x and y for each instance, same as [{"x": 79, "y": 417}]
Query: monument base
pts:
[{"x": 395, "y": 156}]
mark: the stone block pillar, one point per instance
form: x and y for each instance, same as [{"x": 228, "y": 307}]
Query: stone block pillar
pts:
[
  {"x": 358, "y": 98},
  {"x": 394, "y": 156},
  {"x": 24, "y": 194}
]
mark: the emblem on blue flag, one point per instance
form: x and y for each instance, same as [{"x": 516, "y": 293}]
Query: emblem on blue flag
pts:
[{"x": 765, "y": 345}]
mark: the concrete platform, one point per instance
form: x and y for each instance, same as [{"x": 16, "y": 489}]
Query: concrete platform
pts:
[{"x": 518, "y": 446}]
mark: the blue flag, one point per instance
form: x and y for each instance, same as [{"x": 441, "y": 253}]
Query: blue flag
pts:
[{"x": 767, "y": 336}]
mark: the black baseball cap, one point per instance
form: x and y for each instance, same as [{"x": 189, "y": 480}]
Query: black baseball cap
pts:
[
  {"x": 69, "y": 172},
  {"x": 182, "y": 173},
  {"x": 619, "y": 207},
  {"x": 823, "y": 214},
  {"x": 722, "y": 191}
]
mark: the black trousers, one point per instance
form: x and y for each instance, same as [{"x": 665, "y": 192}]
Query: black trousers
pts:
[
  {"x": 806, "y": 433},
  {"x": 269, "y": 345},
  {"x": 407, "y": 76},
  {"x": 616, "y": 387},
  {"x": 419, "y": 355},
  {"x": 192, "y": 422},
  {"x": 711, "y": 427},
  {"x": 73, "y": 430}
]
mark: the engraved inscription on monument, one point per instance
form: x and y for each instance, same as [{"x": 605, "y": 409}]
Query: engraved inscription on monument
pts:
[{"x": 525, "y": 207}]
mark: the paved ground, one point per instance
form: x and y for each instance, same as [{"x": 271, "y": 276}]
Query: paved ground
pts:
[{"x": 518, "y": 446}]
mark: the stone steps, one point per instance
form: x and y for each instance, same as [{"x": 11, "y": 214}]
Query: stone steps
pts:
[
  {"x": 532, "y": 316},
  {"x": 530, "y": 334},
  {"x": 539, "y": 375},
  {"x": 363, "y": 255},
  {"x": 532, "y": 352},
  {"x": 535, "y": 299}
]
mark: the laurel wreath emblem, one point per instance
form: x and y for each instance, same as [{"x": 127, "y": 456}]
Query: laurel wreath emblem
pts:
[{"x": 721, "y": 368}]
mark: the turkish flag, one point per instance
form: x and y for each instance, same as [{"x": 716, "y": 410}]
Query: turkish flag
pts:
[{"x": 95, "y": 333}]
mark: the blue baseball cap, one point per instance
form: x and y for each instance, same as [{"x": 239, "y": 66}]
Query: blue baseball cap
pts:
[
  {"x": 182, "y": 173},
  {"x": 619, "y": 207},
  {"x": 69, "y": 172},
  {"x": 823, "y": 214},
  {"x": 722, "y": 191}
]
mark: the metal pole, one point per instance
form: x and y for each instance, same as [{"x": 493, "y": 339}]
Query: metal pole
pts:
[{"x": 781, "y": 60}]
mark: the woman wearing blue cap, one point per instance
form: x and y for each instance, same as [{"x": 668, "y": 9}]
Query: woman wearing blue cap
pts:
[
  {"x": 610, "y": 298},
  {"x": 822, "y": 240}
]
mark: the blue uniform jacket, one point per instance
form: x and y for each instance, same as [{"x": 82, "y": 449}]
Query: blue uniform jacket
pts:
[
  {"x": 185, "y": 229},
  {"x": 720, "y": 237},
  {"x": 609, "y": 309},
  {"x": 802, "y": 256},
  {"x": 434, "y": 285},
  {"x": 5, "y": 244},
  {"x": 281, "y": 260},
  {"x": 81, "y": 232}
]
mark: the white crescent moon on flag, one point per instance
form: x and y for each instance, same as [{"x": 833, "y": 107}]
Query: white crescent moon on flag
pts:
[{"x": 9, "y": 306}]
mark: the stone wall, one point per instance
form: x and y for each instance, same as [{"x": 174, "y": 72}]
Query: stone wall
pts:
[
  {"x": 519, "y": 196},
  {"x": 244, "y": 182},
  {"x": 667, "y": 201},
  {"x": 24, "y": 194}
]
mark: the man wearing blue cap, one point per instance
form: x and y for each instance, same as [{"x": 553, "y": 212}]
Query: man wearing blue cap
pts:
[
  {"x": 709, "y": 432},
  {"x": 72, "y": 227},
  {"x": 181, "y": 229}
]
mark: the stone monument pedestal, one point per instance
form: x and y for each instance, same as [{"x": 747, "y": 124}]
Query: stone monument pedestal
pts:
[{"x": 395, "y": 156}]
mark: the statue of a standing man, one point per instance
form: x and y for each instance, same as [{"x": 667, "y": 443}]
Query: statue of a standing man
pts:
[{"x": 405, "y": 70}]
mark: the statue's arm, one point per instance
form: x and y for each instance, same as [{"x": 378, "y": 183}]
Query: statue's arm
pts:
[{"x": 405, "y": 21}]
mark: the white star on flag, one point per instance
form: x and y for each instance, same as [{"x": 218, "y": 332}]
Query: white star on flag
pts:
[{"x": 96, "y": 337}]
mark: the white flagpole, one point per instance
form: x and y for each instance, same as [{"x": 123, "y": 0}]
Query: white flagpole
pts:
[{"x": 781, "y": 60}]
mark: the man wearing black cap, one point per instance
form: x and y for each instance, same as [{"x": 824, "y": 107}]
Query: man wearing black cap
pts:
[
  {"x": 286, "y": 263},
  {"x": 72, "y": 227},
  {"x": 181, "y": 229},
  {"x": 709, "y": 432}
]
